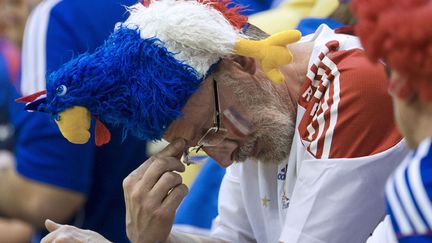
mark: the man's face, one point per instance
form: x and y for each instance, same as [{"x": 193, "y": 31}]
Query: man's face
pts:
[
  {"x": 405, "y": 113},
  {"x": 257, "y": 106}
]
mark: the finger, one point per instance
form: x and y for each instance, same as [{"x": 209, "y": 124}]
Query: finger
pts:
[
  {"x": 51, "y": 225},
  {"x": 173, "y": 149},
  {"x": 164, "y": 185},
  {"x": 175, "y": 197},
  {"x": 138, "y": 173},
  {"x": 157, "y": 168},
  {"x": 49, "y": 237}
]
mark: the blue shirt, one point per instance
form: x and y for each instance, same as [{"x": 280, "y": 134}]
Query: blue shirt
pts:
[
  {"x": 409, "y": 196},
  {"x": 57, "y": 31},
  {"x": 9, "y": 62}
]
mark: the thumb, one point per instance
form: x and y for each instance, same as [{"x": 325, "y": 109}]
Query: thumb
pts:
[{"x": 51, "y": 225}]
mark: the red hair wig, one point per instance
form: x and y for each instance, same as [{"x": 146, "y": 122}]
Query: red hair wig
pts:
[{"x": 400, "y": 33}]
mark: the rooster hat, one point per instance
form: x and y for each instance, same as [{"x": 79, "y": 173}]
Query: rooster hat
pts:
[{"x": 147, "y": 69}]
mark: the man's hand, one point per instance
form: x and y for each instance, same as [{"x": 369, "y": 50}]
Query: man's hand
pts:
[
  {"x": 153, "y": 193},
  {"x": 67, "y": 233}
]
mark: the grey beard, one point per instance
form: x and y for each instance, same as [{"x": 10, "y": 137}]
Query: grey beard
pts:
[
  {"x": 274, "y": 124},
  {"x": 274, "y": 136}
]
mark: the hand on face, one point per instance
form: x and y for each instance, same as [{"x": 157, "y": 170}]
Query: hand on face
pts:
[
  {"x": 223, "y": 154},
  {"x": 67, "y": 233},
  {"x": 153, "y": 193}
]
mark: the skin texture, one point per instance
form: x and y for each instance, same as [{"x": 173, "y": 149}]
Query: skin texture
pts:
[
  {"x": 412, "y": 115},
  {"x": 14, "y": 231},
  {"x": 71, "y": 234},
  {"x": 11, "y": 230},
  {"x": 243, "y": 86},
  {"x": 42, "y": 201},
  {"x": 154, "y": 191}
]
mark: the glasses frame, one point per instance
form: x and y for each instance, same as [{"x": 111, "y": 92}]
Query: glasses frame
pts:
[
  {"x": 216, "y": 118},
  {"x": 212, "y": 130}
]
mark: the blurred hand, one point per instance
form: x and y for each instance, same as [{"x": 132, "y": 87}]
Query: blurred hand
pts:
[
  {"x": 15, "y": 231},
  {"x": 67, "y": 233},
  {"x": 153, "y": 192}
]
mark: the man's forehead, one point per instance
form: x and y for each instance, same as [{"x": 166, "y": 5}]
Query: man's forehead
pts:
[{"x": 199, "y": 105}]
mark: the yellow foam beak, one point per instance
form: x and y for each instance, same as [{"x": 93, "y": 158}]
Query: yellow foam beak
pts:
[
  {"x": 272, "y": 52},
  {"x": 74, "y": 124}
]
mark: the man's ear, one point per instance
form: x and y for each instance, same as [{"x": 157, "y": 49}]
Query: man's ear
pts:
[{"x": 247, "y": 64}]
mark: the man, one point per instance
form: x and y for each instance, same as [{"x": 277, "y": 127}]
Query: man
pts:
[
  {"x": 76, "y": 184},
  {"x": 313, "y": 152}
]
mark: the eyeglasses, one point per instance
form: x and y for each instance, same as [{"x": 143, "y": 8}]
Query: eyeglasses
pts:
[{"x": 213, "y": 137}]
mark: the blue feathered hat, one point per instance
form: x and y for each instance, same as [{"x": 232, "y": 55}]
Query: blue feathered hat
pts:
[{"x": 145, "y": 72}]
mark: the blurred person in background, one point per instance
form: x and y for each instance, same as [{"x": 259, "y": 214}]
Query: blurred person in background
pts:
[
  {"x": 399, "y": 33},
  {"x": 288, "y": 13},
  {"x": 78, "y": 184},
  {"x": 343, "y": 13},
  {"x": 13, "y": 16},
  {"x": 10, "y": 230},
  {"x": 305, "y": 15},
  {"x": 340, "y": 17}
]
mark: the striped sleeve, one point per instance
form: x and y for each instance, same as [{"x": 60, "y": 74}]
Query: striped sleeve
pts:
[
  {"x": 408, "y": 196},
  {"x": 34, "y": 48},
  {"x": 348, "y": 110}
]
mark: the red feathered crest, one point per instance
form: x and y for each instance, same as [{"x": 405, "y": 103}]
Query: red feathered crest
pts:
[{"x": 230, "y": 10}]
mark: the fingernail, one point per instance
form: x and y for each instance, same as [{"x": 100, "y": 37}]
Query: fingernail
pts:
[{"x": 50, "y": 221}]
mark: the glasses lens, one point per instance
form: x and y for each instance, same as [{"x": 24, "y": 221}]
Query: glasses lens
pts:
[{"x": 213, "y": 137}]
